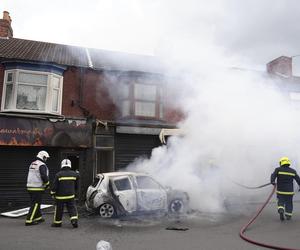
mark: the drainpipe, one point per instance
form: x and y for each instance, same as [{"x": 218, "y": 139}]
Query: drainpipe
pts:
[
  {"x": 85, "y": 111},
  {"x": 82, "y": 71}
]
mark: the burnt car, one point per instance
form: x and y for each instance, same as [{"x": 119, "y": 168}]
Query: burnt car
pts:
[{"x": 116, "y": 194}]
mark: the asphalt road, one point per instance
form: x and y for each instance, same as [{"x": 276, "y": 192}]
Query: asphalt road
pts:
[{"x": 205, "y": 232}]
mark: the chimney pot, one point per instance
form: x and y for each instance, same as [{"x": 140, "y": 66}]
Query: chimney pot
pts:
[
  {"x": 281, "y": 66},
  {"x": 6, "y": 16},
  {"x": 5, "y": 25}
]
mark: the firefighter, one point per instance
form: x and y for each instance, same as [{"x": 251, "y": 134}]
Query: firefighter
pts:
[
  {"x": 285, "y": 187},
  {"x": 64, "y": 189},
  {"x": 37, "y": 182}
]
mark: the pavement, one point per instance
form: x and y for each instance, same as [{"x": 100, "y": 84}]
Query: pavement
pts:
[{"x": 204, "y": 231}]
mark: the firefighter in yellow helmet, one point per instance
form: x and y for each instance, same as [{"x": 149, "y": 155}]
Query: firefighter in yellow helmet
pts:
[{"x": 285, "y": 187}]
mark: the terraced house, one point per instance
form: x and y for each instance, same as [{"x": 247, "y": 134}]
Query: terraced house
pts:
[{"x": 101, "y": 109}]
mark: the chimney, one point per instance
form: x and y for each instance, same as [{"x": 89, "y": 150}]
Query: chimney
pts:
[
  {"x": 281, "y": 66},
  {"x": 5, "y": 25}
]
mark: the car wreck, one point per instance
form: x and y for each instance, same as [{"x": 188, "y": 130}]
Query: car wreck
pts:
[{"x": 118, "y": 194}]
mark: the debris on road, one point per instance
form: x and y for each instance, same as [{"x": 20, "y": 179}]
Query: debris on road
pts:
[
  {"x": 103, "y": 245},
  {"x": 22, "y": 211},
  {"x": 177, "y": 228}
]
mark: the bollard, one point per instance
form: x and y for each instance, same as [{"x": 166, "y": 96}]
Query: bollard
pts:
[{"x": 103, "y": 245}]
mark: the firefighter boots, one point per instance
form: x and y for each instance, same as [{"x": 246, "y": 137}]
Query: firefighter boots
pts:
[
  {"x": 281, "y": 214},
  {"x": 74, "y": 223},
  {"x": 31, "y": 223}
]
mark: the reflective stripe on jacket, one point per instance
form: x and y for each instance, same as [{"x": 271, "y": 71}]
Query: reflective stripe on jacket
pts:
[
  {"x": 285, "y": 178},
  {"x": 65, "y": 184},
  {"x": 37, "y": 178}
]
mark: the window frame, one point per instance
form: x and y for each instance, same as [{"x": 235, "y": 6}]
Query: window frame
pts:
[
  {"x": 50, "y": 89},
  {"x": 118, "y": 179},
  {"x": 132, "y": 101}
]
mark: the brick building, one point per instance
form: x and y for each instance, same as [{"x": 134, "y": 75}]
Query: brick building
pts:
[
  {"x": 98, "y": 108},
  {"x": 281, "y": 71}
]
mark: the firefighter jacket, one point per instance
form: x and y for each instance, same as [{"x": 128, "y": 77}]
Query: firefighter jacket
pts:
[
  {"x": 38, "y": 176},
  {"x": 65, "y": 184},
  {"x": 285, "y": 178}
]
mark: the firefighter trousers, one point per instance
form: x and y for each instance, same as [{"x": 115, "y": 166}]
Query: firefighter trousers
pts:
[
  {"x": 285, "y": 203},
  {"x": 59, "y": 210},
  {"x": 34, "y": 214}
]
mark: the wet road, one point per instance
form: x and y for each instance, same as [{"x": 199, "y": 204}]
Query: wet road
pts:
[{"x": 205, "y": 232}]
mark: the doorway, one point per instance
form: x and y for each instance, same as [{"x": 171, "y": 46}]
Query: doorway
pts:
[
  {"x": 73, "y": 157},
  {"x": 104, "y": 161}
]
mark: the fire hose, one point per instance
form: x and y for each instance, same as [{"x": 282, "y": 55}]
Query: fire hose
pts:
[
  {"x": 257, "y": 187},
  {"x": 244, "y": 228}
]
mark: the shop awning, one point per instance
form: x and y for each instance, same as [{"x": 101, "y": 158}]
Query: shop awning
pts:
[{"x": 169, "y": 132}]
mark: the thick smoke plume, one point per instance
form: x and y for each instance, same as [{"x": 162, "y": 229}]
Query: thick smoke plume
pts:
[{"x": 238, "y": 124}]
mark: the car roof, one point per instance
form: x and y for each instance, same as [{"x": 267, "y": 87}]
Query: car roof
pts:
[{"x": 116, "y": 174}]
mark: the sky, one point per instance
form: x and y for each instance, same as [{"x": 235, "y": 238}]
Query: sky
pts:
[{"x": 256, "y": 31}]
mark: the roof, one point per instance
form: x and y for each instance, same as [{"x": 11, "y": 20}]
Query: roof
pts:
[{"x": 67, "y": 55}]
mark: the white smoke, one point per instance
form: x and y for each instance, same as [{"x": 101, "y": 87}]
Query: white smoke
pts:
[{"x": 237, "y": 126}]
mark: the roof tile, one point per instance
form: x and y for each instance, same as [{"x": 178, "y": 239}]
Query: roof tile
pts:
[{"x": 21, "y": 49}]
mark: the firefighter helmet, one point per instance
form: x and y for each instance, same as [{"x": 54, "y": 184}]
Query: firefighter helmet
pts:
[
  {"x": 66, "y": 163},
  {"x": 43, "y": 155},
  {"x": 284, "y": 161}
]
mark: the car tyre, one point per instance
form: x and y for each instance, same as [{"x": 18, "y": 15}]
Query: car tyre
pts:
[
  {"x": 176, "y": 206},
  {"x": 107, "y": 210}
]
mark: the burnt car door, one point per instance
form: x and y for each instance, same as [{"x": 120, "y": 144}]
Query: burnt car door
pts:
[
  {"x": 92, "y": 190},
  {"x": 150, "y": 194},
  {"x": 124, "y": 191}
]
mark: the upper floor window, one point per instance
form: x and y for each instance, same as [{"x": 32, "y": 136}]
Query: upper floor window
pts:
[
  {"x": 32, "y": 91},
  {"x": 142, "y": 100}
]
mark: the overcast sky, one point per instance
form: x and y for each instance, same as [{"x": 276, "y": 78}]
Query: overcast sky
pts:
[{"x": 256, "y": 31}]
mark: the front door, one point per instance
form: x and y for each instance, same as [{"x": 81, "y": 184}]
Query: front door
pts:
[{"x": 104, "y": 161}]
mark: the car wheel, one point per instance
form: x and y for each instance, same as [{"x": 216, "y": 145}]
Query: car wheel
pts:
[
  {"x": 107, "y": 210},
  {"x": 176, "y": 206}
]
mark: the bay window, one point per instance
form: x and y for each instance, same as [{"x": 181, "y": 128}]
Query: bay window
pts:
[{"x": 32, "y": 91}]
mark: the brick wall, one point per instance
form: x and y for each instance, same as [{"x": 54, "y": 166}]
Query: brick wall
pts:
[
  {"x": 84, "y": 94},
  {"x": 95, "y": 98}
]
